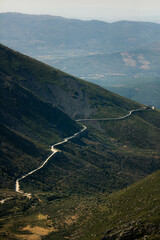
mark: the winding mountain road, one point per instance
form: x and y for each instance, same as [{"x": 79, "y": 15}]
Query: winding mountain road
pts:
[
  {"x": 54, "y": 150},
  {"x": 110, "y": 119},
  {"x": 6, "y": 199}
]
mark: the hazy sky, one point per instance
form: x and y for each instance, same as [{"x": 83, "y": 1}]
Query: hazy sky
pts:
[{"x": 86, "y": 9}]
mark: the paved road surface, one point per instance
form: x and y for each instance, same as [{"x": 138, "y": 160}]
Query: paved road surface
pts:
[{"x": 54, "y": 150}]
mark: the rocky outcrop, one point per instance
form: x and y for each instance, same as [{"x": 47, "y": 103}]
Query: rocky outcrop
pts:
[{"x": 130, "y": 231}]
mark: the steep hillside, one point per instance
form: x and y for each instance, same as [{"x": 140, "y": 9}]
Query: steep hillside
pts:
[
  {"x": 28, "y": 127},
  {"x": 72, "y": 95},
  {"x": 108, "y": 148},
  {"x": 21, "y": 110},
  {"x": 132, "y": 213},
  {"x": 19, "y": 154},
  {"x": 37, "y": 103}
]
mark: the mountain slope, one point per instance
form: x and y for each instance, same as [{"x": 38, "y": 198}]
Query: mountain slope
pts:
[
  {"x": 28, "y": 127},
  {"x": 24, "y": 80},
  {"x": 23, "y": 111},
  {"x": 37, "y": 103},
  {"x": 72, "y": 95},
  {"x": 144, "y": 90},
  {"x": 132, "y": 213},
  {"x": 18, "y": 155}
]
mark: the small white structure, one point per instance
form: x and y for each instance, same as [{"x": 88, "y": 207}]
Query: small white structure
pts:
[{"x": 153, "y": 108}]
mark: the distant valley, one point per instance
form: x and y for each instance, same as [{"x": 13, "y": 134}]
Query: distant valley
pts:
[
  {"x": 102, "y": 183},
  {"x": 122, "y": 56},
  {"x": 134, "y": 74}
]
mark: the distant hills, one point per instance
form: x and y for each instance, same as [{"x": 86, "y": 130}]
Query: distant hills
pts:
[
  {"x": 39, "y": 106},
  {"x": 122, "y": 56},
  {"x": 133, "y": 74},
  {"x": 46, "y": 35}
]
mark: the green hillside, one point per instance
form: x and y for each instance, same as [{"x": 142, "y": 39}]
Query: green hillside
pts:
[
  {"x": 132, "y": 213},
  {"x": 19, "y": 154},
  {"x": 28, "y": 126},
  {"x": 39, "y": 105},
  {"x": 72, "y": 95},
  {"x": 33, "y": 95}
]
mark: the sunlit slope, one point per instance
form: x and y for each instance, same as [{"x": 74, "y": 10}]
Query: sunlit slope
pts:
[{"x": 132, "y": 213}]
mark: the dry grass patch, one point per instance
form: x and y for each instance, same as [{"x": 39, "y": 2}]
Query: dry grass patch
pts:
[
  {"x": 35, "y": 233},
  {"x": 42, "y": 217},
  {"x": 71, "y": 219}
]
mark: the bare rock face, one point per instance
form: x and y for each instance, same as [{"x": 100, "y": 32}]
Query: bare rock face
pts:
[
  {"x": 68, "y": 95},
  {"x": 73, "y": 101}
]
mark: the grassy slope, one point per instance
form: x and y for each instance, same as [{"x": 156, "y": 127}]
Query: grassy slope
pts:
[
  {"x": 28, "y": 127},
  {"x": 110, "y": 155},
  {"x": 38, "y": 77},
  {"x": 112, "y": 152},
  {"x": 18, "y": 155},
  {"x": 22, "y": 110},
  {"x": 131, "y": 213}
]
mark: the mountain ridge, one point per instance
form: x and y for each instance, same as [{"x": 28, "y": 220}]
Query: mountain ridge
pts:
[{"x": 96, "y": 39}]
